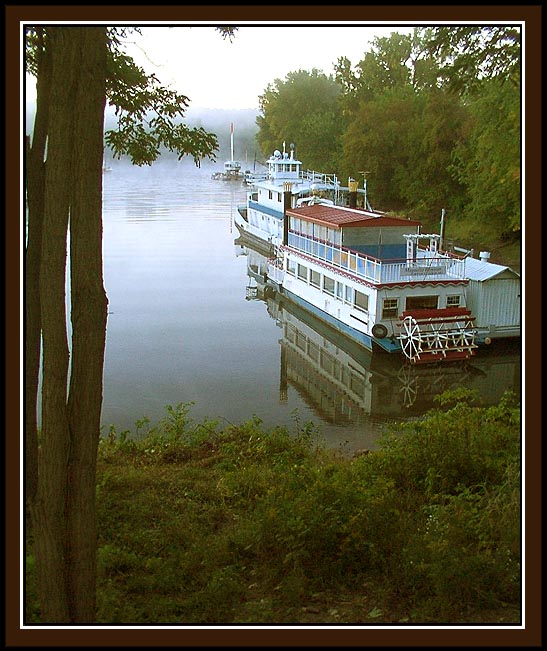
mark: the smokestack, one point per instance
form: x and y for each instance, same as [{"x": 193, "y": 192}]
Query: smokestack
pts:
[
  {"x": 287, "y": 203},
  {"x": 352, "y": 186}
]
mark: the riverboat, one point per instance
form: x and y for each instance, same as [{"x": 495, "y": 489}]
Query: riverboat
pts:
[
  {"x": 346, "y": 384},
  {"x": 261, "y": 217},
  {"x": 383, "y": 283}
]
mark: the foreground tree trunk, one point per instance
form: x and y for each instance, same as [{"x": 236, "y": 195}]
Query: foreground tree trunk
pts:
[
  {"x": 88, "y": 316},
  {"x": 63, "y": 504},
  {"x": 35, "y": 177}
]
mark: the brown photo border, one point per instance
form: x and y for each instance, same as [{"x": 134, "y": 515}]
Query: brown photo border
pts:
[{"x": 530, "y": 636}]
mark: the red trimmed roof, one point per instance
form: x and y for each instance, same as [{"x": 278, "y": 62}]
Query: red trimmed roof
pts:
[{"x": 338, "y": 216}]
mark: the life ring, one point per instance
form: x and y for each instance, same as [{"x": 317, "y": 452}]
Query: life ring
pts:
[{"x": 379, "y": 330}]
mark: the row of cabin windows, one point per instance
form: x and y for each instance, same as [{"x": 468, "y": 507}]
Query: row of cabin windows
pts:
[
  {"x": 390, "y": 306},
  {"x": 359, "y": 300},
  {"x": 342, "y": 292},
  {"x": 324, "y": 233},
  {"x": 286, "y": 167}
]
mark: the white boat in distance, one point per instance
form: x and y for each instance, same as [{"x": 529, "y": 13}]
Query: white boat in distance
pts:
[
  {"x": 379, "y": 280},
  {"x": 232, "y": 168}
]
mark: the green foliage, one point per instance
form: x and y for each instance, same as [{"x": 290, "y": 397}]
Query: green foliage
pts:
[
  {"x": 470, "y": 54},
  {"x": 404, "y": 140},
  {"x": 433, "y": 117},
  {"x": 302, "y": 109},
  {"x": 487, "y": 163},
  {"x": 149, "y": 116},
  {"x": 205, "y": 525}
]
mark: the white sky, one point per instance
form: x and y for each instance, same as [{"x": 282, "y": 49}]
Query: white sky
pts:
[{"x": 216, "y": 73}]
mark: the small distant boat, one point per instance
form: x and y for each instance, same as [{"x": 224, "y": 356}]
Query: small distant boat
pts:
[
  {"x": 106, "y": 168},
  {"x": 232, "y": 168}
]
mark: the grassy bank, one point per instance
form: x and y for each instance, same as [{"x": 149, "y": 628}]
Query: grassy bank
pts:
[{"x": 202, "y": 524}]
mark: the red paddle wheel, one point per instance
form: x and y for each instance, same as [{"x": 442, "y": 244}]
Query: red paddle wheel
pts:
[{"x": 437, "y": 335}]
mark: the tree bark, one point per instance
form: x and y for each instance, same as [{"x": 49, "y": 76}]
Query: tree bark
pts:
[
  {"x": 35, "y": 182},
  {"x": 62, "y": 504},
  {"x": 88, "y": 316},
  {"x": 48, "y": 508}
]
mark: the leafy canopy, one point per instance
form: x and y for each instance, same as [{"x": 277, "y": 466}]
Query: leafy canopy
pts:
[{"x": 150, "y": 116}]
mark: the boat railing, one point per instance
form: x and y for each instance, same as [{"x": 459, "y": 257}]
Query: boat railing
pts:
[
  {"x": 426, "y": 266},
  {"x": 319, "y": 177}
]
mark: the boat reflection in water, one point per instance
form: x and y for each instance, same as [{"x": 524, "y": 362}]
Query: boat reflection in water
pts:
[{"x": 345, "y": 384}]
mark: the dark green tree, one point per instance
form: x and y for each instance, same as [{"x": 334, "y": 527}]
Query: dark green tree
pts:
[
  {"x": 470, "y": 54},
  {"x": 393, "y": 62},
  {"x": 482, "y": 64},
  {"x": 302, "y": 109},
  {"x": 402, "y": 127},
  {"x": 77, "y": 69},
  {"x": 488, "y": 162}
]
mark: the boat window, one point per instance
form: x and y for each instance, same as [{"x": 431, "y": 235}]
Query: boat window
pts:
[
  {"x": 303, "y": 272},
  {"x": 361, "y": 301},
  {"x": 340, "y": 290},
  {"x": 315, "y": 278},
  {"x": 291, "y": 267},
  {"x": 421, "y": 302},
  {"x": 349, "y": 294},
  {"x": 270, "y": 194},
  {"x": 279, "y": 196},
  {"x": 453, "y": 301},
  {"x": 333, "y": 236},
  {"x": 320, "y": 232},
  {"x": 390, "y": 308},
  {"x": 328, "y": 285}
]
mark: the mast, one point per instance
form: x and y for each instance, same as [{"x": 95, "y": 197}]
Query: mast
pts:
[{"x": 232, "y": 140}]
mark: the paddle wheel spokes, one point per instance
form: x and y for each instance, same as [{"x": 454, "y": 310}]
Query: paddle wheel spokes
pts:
[
  {"x": 411, "y": 342},
  {"x": 437, "y": 335}
]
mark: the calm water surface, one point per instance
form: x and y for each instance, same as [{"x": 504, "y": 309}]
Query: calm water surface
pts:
[{"x": 188, "y": 323}]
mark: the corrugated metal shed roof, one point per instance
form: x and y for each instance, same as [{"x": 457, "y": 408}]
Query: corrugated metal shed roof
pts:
[
  {"x": 480, "y": 271},
  {"x": 339, "y": 216}
]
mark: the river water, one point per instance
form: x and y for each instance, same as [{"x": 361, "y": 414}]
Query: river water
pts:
[{"x": 188, "y": 323}]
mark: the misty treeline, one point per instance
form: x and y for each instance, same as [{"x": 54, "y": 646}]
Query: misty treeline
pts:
[{"x": 431, "y": 118}]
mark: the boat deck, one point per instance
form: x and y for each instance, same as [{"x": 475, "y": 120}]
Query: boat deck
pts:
[{"x": 425, "y": 267}]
